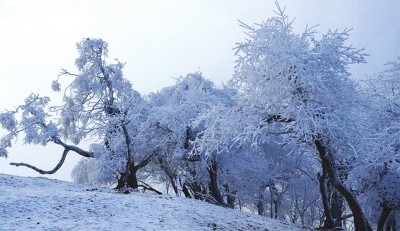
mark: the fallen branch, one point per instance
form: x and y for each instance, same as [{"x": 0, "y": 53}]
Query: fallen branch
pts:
[
  {"x": 148, "y": 187},
  {"x": 210, "y": 199}
]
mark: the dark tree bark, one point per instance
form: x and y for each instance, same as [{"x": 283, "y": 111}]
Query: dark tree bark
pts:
[
  {"x": 185, "y": 191},
  {"x": 260, "y": 202},
  {"x": 230, "y": 198},
  {"x": 336, "y": 207},
  {"x": 328, "y": 221},
  {"x": 128, "y": 179},
  {"x": 213, "y": 184},
  {"x": 260, "y": 206},
  {"x": 391, "y": 223},
  {"x": 274, "y": 200},
  {"x": 172, "y": 181},
  {"x": 383, "y": 217},
  {"x": 194, "y": 188},
  {"x": 360, "y": 223},
  {"x": 198, "y": 190}
]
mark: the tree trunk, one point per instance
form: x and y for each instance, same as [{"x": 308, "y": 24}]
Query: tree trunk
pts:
[
  {"x": 172, "y": 181},
  {"x": 128, "y": 179},
  {"x": 271, "y": 207},
  {"x": 383, "y": 217},
  {"x": 391, "y": 223},
  {"x": 260, "y": 202},
  {"x": 197, "y": 189},
  {"x": 360, "y": 223},
  {"x": 185, "y": 190},
  {"x": 230, "y": 198},
  {"x": 213, "y": 185},
  {"x": 328, "y": 221},
  {"x": 260, "y": 206},
  {"x": 274, "y": 200},
  {"x": 336, "y": 208}
]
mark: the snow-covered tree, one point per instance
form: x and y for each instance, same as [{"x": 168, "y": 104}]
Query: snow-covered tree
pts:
[
  {"x": 377, "y": 177},
  {"x": 299, "y": 88},
  {"x": 98, "y": 105},
  {"x": 258, "y": 175},
  {"x": 31, "y": 120},
  {"x": 168, "y": 130}
]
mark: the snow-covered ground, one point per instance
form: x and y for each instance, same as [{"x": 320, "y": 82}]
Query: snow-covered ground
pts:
[{"x": 36, "y": 203}]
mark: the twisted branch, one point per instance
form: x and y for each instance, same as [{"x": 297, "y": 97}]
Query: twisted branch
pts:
[{"x": 67, "y": 148}]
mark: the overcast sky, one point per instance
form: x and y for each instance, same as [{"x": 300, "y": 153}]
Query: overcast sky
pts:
[{"x": 159, "y": 40}]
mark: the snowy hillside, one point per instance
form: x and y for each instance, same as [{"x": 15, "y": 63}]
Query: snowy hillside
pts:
[{"x": 45, "y": 204}]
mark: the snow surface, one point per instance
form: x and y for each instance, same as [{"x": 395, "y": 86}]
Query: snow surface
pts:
[{"x": 36, "y": 203}]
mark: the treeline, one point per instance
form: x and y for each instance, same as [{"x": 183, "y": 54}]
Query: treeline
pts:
[{"x": 291, "y": 136}]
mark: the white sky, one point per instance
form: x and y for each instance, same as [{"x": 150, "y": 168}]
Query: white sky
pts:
[{"x": 160, "y": 40}]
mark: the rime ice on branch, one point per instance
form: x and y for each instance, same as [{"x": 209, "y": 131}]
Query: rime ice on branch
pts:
[{"x": 98, "y": 104}]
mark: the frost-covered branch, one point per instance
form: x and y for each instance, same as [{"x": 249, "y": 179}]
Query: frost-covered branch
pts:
[
  {"x": 58, "y": 166},
  {"x": 33, "y": 123},
  {"x": 145, "y": 161},
  {"x": 67, "y": 148},
  {"x": 74, "y": 148},
  {"x": 148, "y": 187}
]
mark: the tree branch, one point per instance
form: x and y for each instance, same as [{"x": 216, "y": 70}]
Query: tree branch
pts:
[
  {"x": 65, "y": 72},
  {"x": 67, "y": 148},
  {"x": 148, "y": 187},
  {"x": 58, "y": 166},
  {"x": 278, "y": 118},
  {"x": 73, "y": 148},
  {"x": 144, "y": 162}
]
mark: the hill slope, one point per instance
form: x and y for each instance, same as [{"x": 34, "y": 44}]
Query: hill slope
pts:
[{"x": 28, "y": 203}]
